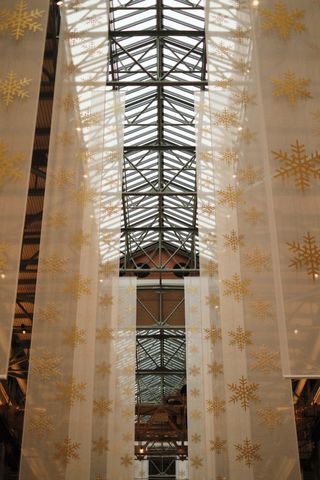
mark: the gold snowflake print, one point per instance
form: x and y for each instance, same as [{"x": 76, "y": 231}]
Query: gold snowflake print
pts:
[
  {"x": 46, "y": 366},
  {"x": 253, "y": 216},
  {"x": 69, "y": 391},
  {"x": 194, "y": 371},
  {"x": 3, "y": 257},
  {"x": 67, "y": 451},
  {"x": 233, "y": 240},
  {"x": 250, "y": 175},
  {"x": 270, "y": 417},
  {"x": 261, "y": 309},
  {"x": 228, "y": 156},
  {"x": 257, "y": 260},
  {"x": 236, "y": 288},
  {"x": 111, "y": 209},
  {"x": 306, "y": 255},
  {"x": 265, "y": 360},
  {"x": 213, "y": 334},
  {"x": 49, "y": 314},
  {"x": 282, "y": 21},
  {"x": 9, "y": 165},
  {"x": 74, "y": 336},
  {"x": 248, "y": 452},
  {"x": 215, "y": 369},
  {"x": 103, "y": 369},
  {"x": 226, "y": 83},
  {"x": 126, "y": 460},
  {"x": 216, "y": 406},
  {"x": 108, "y": 269},
  {"x": 78, "y": 286},
  {"x": 218, "y": 445},
  {"x": 247, "y": 135},
  {"x": 127, "y": 412},
  {"x": 62, "y": 178},
  {"x": 69, "y": 102},
  {"x": 212, "y": 300},
  {"x": 41, "y": 424},
  {"x": 54, "y": 264},
  {"x": 11, "y": 87},
  {"x": 194, "y": 349},
  {"x": 89, "y": 119},
  {"x": 127, "y": 437},
  {"x": 196, "y": 438},
  {"x": 241, "y": 66},
  {"x": 244, "y": 98},
  {"x": 222, "y": 49},
  {"x": 240, "y": 338},
  {"x": 83, "y": 195},
  {"x": 105, "y": 334},
  {"x": 210, "y": 268},
  {"x": 196, "y": 461},
  {"x": 207, "y": 209},
  {"x": 195, "y": 392},
  {"x": 291, "y": 88},
  {"x": 100, "y": 446},
  {"x": 19, "y": 20},
  {"x": 57, "y": 220},
  {"x": 102, "y": 407},
  {"x": 244, "y": 392},
  {"x": 195, "y": 414},
  {"x": 106, "y": 300},
  {"x": 230, "y": 196},
  {"x": 299, "y": 165},
  {"x": 80, "y": 239},
  {"x": 226, "y": 118},
  {"x": 65, "y": 138}
]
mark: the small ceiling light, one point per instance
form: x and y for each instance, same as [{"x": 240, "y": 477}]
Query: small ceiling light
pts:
[
  {"x": 60, "y": 3},
  {"x": 78, "y": 129},
  {"x": 316, "y": 275},
  {"x": 296, "y": 331},
  {"x": 234, "y": 175},
  {"x": 255, "y": 3},
  {"x": 23, "y": 329},
  {"x": 239, "y": 128},
  {"x": 141, "y": 450},
  {"x": 85, "y": 175},
  {"x": 3, "y": 275}
]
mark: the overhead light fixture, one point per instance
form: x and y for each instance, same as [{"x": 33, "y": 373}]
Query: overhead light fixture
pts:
[
  {"x": 255, "y": 3},
  {"x": 23, "y": 329},
  {"x": 60, "y": 3}
]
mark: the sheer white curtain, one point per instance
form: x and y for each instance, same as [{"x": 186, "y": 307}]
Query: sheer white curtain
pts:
[
  {"x": 21, "y": 47},
  {"x": 83, "y": 332}
]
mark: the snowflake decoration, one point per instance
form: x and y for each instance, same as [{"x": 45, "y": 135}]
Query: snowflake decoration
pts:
[
  {"x": 265, "y": 360},
  {"x": 196, "y": 461},
  {"x": 230, "y": 196},
  {"x": 100, "y": 446},
  {"x": 89, "y": 119},
  {"x": 216, "y": 406},
  {"x": 218, "y": 445},
  {"x": 261, "y": 309},
  {"x": 226, "y": 83},
  {"x": 62, "y": 178},
  {"x": 195, "y": 392},
  {"x": 211, "y": 267},
  {"x": 282, "y": 21},
  {"x": 226, "y": 118},
  {"x": 9, "y": 165},
  {"x": 65, "y": 138},
  {"x": 108, "y": 269},
  {"x": 215, "y": 369},
  {"x": 106, "y": 300},
  {"x": 74, "y": 336},
  {"x": 3, "y": 256},
  {"x": 126, "y": 460},
  {"x": 207, "y": 208},
  {"x": 236, "y": 287},
  {"x": 102, "y": 406},
  {"x": 240, "y": 338},
  {"x": 19, "y": 20},
  {"x": 247, "y": 135},
  {"x": 270, "y": 417},
  {"x": 41, "y": 424},
  {"x": 195, "y": 414},
  {"x": 82, "y": 196},
  {"x": 70, "y": 391},
  {"x": 127, "y": 437},
  {"x": 257, "y": 260},
  {"x": 244, "y": 98},
  {"x": 69, "y": 102},
  {"x": 57, "y": 220},
  {"x": 248, "y": 452},
  {"x": 250, "y": 175},
  {"x": 244, "y": 392},
  {"x": 241, "y": 66},
  {"x": 212, "y": 300},
  {"x": 67, "y": 451},
  {"x": 194, "y": 371},
  {"x": 46, "y": 366},
  {"x": 196, "y": 438},
  {"x": 222, "y": 49},
  {"x": 228, "y": 156},
  {"x": 49, "y": 314},
  {"x": 299, "y": 165},
  {"x": 291, "y": 88},
  {"x": 253, "y": 215},
  {"x": 80, "y": 239},
  {"x": 233, "y": 240},
  {"x": 54, "y": 264},
  {"x": 77, "y": 286},
  {"x": 103, "y": 369},
  {"x": 306, "y": 254},
  {"x": 11, "y": 87},
  {"x": 213, "y": 334},
  {"x": 104, "y": 334}
]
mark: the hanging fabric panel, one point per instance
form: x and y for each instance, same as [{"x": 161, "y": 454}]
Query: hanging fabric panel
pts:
[
  {"x": 288, "y": 41},
  {"x": 79, "y": 256},
  {"x": 23, "y": 26}
]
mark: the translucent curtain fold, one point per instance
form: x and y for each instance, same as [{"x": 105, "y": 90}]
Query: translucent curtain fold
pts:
[{"x": 23, "y": 25}]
